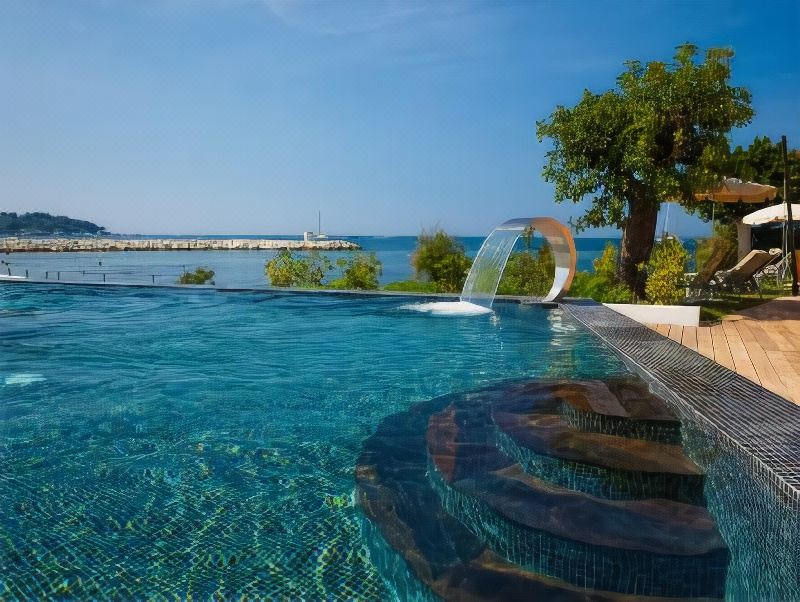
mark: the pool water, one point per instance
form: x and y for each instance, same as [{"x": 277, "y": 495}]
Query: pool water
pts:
[{"x": 164, "y": 443}]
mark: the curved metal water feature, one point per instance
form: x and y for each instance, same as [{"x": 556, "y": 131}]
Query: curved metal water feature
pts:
[{"x": 480, "y": 287}]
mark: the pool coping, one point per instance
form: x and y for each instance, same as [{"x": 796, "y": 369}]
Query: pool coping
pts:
[{"x": 764, "y": 426}]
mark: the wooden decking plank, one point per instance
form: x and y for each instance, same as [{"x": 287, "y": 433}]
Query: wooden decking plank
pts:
[
  {"x": 740, "y": 355},
  {"x": 762, "y": 336},
  {"x": 663, "y": 329},
  {"x": 705, "y": 346},
  {"x": 722, "y": 353},
  {"x": 690, "y": 337},
  {"x": 787, "y": 374},
  {"x": 766, "y": 373},
  {"x": 777, "y": 335},
  {"x": 676, "y": 333}
]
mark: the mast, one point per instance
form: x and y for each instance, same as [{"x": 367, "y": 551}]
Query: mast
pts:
[{"x": 319, "y": 222}]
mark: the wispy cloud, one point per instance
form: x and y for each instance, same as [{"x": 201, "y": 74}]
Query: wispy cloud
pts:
[{"x": 345, "y": 17}]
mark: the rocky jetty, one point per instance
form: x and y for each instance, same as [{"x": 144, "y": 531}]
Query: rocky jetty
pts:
[
  {"x": 568, "y": 490},
  {"x": 62, "y": 245}
]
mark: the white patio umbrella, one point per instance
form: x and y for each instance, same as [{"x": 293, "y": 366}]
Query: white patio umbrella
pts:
[
  {"x": 770, "y": 215},
  {"x": 776, "y": 214}
]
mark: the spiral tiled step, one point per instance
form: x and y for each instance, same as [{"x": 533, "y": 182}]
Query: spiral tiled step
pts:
[
  {"x": 652, "y": 547},
  {"x": 618, "y": 406},
  {"x": 414, "y": 540},
  {"x": 533, "y": 430}
]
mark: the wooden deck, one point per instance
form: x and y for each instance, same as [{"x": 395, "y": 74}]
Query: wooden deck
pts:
[{"x": 761, "y": 343}]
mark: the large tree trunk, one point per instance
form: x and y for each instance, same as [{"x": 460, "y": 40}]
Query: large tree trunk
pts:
[{"x": 638, "y": 236}]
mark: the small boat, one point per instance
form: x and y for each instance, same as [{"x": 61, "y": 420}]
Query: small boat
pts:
[{"x": 318, "y": 235}]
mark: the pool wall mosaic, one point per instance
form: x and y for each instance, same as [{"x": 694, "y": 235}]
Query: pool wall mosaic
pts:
[{"x": 745, "y": 438}]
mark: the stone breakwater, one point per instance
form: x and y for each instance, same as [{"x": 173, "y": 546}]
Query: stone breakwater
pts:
[{"x": 61, "y": 245}]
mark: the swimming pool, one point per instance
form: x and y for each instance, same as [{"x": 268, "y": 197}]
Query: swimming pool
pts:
[
  {"x": 173, "y": 442},
  {"x": 162, "y": 442}
]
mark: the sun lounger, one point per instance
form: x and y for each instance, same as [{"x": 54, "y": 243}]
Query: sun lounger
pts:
[
  {"x": 700, "y": 285},
  {"x": 742, "y": 276}
]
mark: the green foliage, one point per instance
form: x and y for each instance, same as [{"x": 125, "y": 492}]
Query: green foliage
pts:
[
  {"x": 411, "y": 286},
  {"x": 659, "y": 134},
  {"x": 12, "y": 224},
  {"x": 602, "y": 285},
  {"x": 650, "y": 137},
  {"x": 606, "y": 264},
  {"x": 360, "y": 272},
  {"x": 528, "y": 274},
  {"x": 665, "y": 272},
  {"x": 305, "y": 272},
  {"x": 761, "y": 162},
  {"x": 600, "y": 288},
  {"x": 440, "y": 259},
  {"x": 199, "y": 276}
]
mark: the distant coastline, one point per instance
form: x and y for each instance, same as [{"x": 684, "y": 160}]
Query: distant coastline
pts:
[{"x": 92, "y": 244}]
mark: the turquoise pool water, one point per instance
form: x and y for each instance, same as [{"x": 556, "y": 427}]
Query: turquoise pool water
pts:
[{"x": 163, "y": 443}]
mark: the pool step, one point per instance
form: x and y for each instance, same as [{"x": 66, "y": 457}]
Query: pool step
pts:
[
  {"x": 532, "y": 430},
  {"x": 619, "y": 406},
  {"x": 417, "y": 543},
  {"x": 458, "y": 521},
  {"x": 654, "y": 546}
]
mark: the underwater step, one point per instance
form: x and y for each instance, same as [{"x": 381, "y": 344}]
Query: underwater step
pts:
[
  {"x": 654, "y": 547},
  {"x": 420, "y": 548},
  {"x": 617, "y": 406},
  {"x": 530, "y": 430}
]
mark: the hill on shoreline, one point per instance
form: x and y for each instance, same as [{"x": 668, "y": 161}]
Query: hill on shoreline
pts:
[{"x": 12, "y": 224}]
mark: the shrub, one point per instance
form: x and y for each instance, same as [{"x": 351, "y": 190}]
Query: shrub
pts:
[
  {"x": 665, "y": 272},
  {"x": 602, "y": 285},
  {"x": 359, "y": 272},
  {"x": 606, "y": 264},
  {"x": 199, "y": 276},
  {"x": 600, "y": 288},
  {"x": 306, "y": 272},
  {"x": 439, "y": 258},
  {"x": 528, "y": 274}
]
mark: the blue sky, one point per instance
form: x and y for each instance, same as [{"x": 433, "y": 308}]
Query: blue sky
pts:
[{"x": 248, "y": 116}]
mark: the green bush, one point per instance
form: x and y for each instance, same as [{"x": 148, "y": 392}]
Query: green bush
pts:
[
  {"x": 411, "y": 286},
  {"x": 305, "y": 272},
  {"x": 665, "y": 272},
  {"x": 199, "y": 276},
  {"x": 602, "y": 285},
  {"x": 600, "y": 288},
  {"x": 440, "y": 259},
  {"x": 359, "y": 272},
  {"x": 528, "y": 274},
  {"x": 606, "y": 264}
]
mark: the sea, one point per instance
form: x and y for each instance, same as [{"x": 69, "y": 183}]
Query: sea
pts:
[{"x": 237, "y": 269}]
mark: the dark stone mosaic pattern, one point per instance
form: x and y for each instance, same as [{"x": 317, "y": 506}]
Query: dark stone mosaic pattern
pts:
[
  {"x": 652, "y": 430},
  {"x": 469, "y": 523},
  {"x": 746, "y": 439},
  {"x": 603, "y": 482},
  {"x": 757, "y": 421}
]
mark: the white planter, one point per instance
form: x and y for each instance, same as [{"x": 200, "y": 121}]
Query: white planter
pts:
[{"x": 679, "y": 315}]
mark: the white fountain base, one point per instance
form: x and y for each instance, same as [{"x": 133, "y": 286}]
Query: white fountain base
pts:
[{"x": 449, "y": 308}]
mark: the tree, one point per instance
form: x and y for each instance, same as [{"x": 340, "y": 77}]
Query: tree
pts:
[
  {"x": 359, "y": 272},
  {"x": 439, "y": 258},
  {"x": 761, "y": 162},
  {"x": 306, "y": 272},
  {"x": 199, "y": 276},
  {"x": 657, "y": 136}
]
